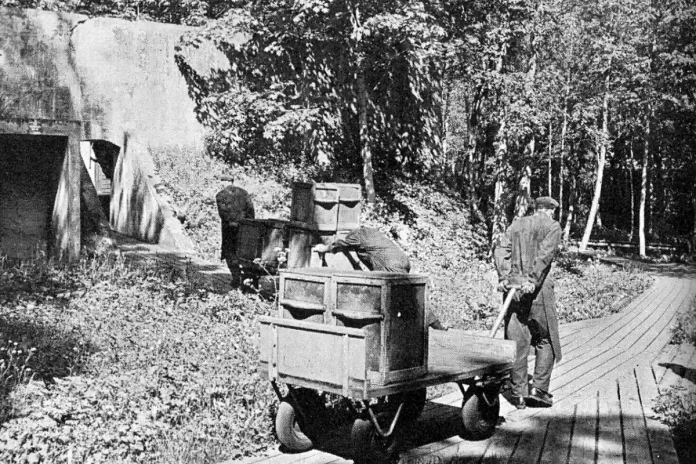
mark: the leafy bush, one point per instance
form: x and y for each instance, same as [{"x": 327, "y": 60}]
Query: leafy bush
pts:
[
  {"x": 684, "y": 330},
  {"x": 127, "y": 365},
  {"x": 677, "y": 409},
  {"x": 591, "y": 289}
]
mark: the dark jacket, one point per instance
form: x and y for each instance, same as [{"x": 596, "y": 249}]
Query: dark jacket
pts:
[
  {"x": 233, "y": 204},
  {"x": 374, "y": 249},
  {"x": 525, "y": 255}
]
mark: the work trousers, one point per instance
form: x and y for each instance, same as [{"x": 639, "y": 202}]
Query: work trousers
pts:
[
  {"x": 528, "y": 333},
  {"x": 229, "y": 253}
]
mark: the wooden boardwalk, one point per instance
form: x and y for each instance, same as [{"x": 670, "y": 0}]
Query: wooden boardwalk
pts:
[{"x": 613, "y": 368}]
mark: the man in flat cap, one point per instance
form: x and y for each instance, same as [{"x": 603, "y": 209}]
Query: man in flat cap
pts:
[{"x": 523, "y": 259}]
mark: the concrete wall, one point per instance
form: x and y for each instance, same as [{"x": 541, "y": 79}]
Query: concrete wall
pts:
[
  {"x": 137, "y": 208},
  {"x": 120, "y": 79},
  {"x": 114, "y": 75}
]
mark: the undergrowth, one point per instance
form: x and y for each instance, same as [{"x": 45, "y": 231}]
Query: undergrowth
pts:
[{"x": 104, "y": 363}]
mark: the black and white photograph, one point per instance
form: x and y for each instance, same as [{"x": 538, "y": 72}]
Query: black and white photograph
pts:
[{"x": 347, "y": 231}]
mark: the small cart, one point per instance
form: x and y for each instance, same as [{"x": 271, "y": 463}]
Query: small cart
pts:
[{"x": 311, "y": 356}]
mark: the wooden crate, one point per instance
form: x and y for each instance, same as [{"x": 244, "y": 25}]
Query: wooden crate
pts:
[
  {"x": 390, "y": 308},
  {"x": 316, "y": 204},
  {"x": 260, "y": 238},
  {"x": 301, "y": 237},
  {"x": 329, "y": 206},
  {"x": 349, "y": 196},
  {"x": 333, "y": 358}
]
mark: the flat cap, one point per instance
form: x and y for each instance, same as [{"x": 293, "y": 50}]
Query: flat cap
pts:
[{"x": 546, "y": 202}]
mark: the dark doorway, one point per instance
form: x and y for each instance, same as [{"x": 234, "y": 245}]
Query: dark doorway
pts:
[{"x": 30, "y": 171}]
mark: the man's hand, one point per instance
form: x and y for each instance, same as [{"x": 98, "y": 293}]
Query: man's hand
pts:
[
  {"x": 321, "y": 248},
  {"x": 528, "y": 288},
  {"x": 504, "y": 285}
]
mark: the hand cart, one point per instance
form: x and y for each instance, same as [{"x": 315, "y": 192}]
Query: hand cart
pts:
[{"x": 309, "y": 356}]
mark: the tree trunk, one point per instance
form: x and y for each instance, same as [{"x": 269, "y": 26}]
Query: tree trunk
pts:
[
  {"x": 365, "y": 152},
  {"x": 499, "y": 219},
  {"x": 571, "y": 210},
  {"x": 472, "y": 143},
  {"x": 550, "y": 154},
  {"x": 633, "y": 198},
  {"x": 693, "y": 236},
  {"x": 600, "y": 173},
  {"x": 564, "y": 133},
  {"x": 643, "y": 189}
]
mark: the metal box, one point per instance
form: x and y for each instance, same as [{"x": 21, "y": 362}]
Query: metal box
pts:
[{"x": 388, "y": 307}]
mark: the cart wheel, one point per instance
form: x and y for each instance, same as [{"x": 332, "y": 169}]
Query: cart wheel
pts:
[
  {"x": 369, "y": 446},
  {"x": 414, "y": 402},
  {"x": 288, "y": 430},
  {"x": 480, "y": 417}
]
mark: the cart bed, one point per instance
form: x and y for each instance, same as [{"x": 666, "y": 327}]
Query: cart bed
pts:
[{"x": 332, "y": 358}]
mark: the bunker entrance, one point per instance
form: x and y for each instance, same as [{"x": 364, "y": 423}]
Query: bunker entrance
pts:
[
  {"x": 30, "y": 172},
  {"x": 99, "y": 157}
]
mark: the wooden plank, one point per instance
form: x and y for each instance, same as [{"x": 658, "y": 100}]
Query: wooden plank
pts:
[
  {"x": 665, "y": 357},
  {"x": 504, "y": 442},
  {"x": 441, "y": 451},
  {"x": 636, "y": 441},
  {"x": 675, "y": 370},
  {"x": 530, "y": 444},
  {"x": 630, "y": 317},
  {"x": 609, "y": 437},
  {"x": 583, "y": 443},
  {"x": 557, "y": 446},
  {"x": 659, "y": 436},
  {"x": 611, "y": 349}
]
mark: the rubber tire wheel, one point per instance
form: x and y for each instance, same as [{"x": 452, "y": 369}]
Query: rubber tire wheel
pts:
[
  {"x": 368, "y": 446},
  {"x": 288, "y": 429},
  {"x": 479, "y": 419},
  {"x": 414, "y": 404}
]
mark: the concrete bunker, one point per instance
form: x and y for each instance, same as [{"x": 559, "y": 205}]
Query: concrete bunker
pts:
[{"x": 39, "y": 188}]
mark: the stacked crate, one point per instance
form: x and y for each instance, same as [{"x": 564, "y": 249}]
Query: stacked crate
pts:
[
  {"x": 390, "y": 308},
  {"x": 334, "y": 209}
]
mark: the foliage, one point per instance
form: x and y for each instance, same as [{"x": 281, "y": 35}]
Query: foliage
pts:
[
  {"x": 677, "y": 408},
  {"x": 684, "y": 330},
  {"x": 587, "y": 290},
  {"x": 191, "y": 12},
  {"x": 291, "y": 90},
  {"x": 126, "y": 367}
]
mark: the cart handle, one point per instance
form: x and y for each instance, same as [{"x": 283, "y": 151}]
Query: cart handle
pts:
[{"x": 503, "y": 311}]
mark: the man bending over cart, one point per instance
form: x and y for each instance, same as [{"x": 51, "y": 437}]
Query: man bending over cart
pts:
[
  {"x": 378, "y": 253},
  {"x": 523, "y": 260}
]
